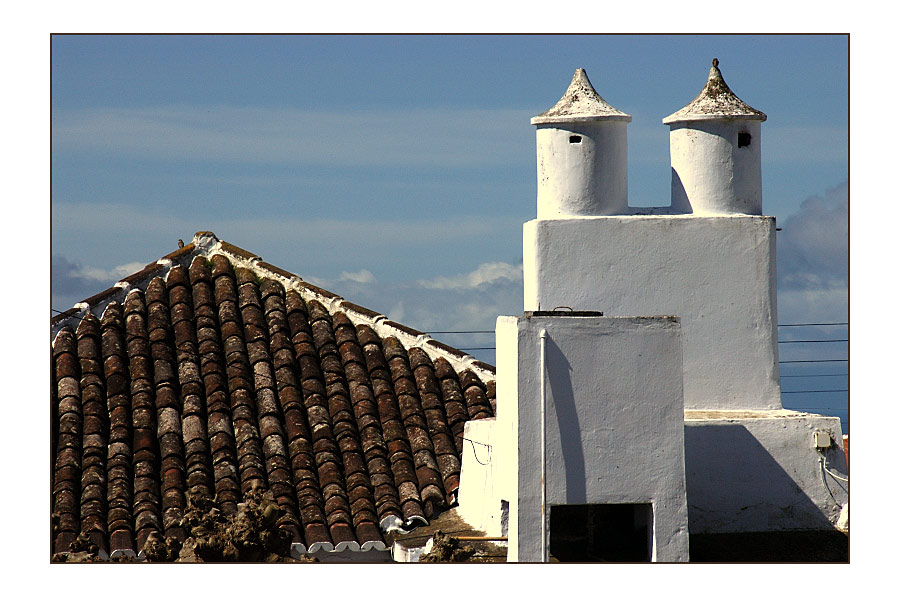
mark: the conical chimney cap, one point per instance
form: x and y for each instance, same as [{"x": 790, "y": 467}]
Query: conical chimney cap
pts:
[
  {"x": 580, "y": 103},
  {"x": 715, "y": 102}
]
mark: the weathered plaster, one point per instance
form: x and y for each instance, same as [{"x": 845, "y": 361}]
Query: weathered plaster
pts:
[
  {"x": 614, "y": 431},
  {"x": 762, "y": 473},
  {"x": 586, "y": 178},
  {"x": 717, "y": 274},
  {"x": 479, "y": 503},
  {"x": 711, "y": 174}
]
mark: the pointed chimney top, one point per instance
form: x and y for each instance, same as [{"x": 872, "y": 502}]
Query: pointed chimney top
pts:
[
  {"x": 580, "y": 103},
  {"x": 715, "y": 102}
]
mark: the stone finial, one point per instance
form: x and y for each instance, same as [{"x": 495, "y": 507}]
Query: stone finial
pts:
[
  {"x": 580, "y": 103},
  {"x": 715, "y": 101}
]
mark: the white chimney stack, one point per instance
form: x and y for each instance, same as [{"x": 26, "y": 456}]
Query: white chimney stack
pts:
[
  {"x": 714, "y": 142},
  {"x": 582, "y": 155}
]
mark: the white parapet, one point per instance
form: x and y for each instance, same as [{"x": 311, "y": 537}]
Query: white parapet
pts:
[
  {"x": 479, "y": 503},
  {"x": 763, "y": 471},
  {"x": 717, "y": 274}
]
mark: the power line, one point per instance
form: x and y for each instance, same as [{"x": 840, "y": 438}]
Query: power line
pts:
[
  {"x": 794, "y": 325},
  {"x": 463, "y": 332},
  {"x": 819, "y": 361},
  {"x": 812, "y": 391},
  {"x": 819, "y": 375},
  {"x": 781, "y": 325},
  {"x": 806, "y": 341}
]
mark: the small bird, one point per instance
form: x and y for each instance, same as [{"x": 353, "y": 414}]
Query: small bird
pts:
[{"x": 180, "y": 244}]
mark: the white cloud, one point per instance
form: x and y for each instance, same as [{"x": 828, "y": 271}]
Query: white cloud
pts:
[
  {"x": 397, "y": 312},
  {"x": 822, "y": 305},
  {"x": 813, "y": 245},
  {"x": 72, "y": 282},
  {"x": 289, "y": 136},
  {"x": 108, "y": 275},
  {"x": 363, "y": 276},
  {"x": 486, "y": 273},
  {"x": 86, "y": 219}
]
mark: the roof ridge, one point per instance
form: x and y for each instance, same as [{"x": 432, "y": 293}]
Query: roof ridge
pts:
[
  {"x": 97, "y": 303},
  {"x": 206, "y": 244},
  {"x": 409, "y": 337}
]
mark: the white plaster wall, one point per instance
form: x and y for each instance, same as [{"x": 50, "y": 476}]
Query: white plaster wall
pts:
[
  {"x": 614, "y": 422},
  {"x": 716, "y": 273},
  {"x": 479, "y": 504},
  {"x": 762, "y": 473},
  {"x": 710, "y": 173},
  {"x": 506, "y": 438},
  {"x": 586, "y": 178}
]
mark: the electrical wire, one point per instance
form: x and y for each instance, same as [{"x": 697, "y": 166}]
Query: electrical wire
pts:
[{"x": 475, "y": 452}]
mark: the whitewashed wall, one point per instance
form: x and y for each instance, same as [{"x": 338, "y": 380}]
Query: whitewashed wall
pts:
[
  {"x": 716, "y": 273},
  {"x": 614, "y": 423}
]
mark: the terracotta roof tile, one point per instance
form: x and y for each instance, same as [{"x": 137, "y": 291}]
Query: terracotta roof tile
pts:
[{"x": 210, "y": 376}]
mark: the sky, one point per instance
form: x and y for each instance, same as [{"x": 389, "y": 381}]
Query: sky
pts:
[{"x": 397, "y": 171}]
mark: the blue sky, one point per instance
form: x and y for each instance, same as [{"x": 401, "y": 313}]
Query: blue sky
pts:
[{"x": 398, "y": 170}]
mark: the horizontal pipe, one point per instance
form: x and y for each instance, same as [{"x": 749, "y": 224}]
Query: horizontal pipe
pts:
[{"x": 465, "y": 538}]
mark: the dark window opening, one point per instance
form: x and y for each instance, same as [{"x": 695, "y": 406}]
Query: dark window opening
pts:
[
  {"x": 575, "y": 139},
  {"x": 743, "y": 139},
  {"x": 601, "y": 533}
]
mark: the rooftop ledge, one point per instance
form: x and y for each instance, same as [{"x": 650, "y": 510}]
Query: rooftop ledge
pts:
[{"x": 781, "y": 413}]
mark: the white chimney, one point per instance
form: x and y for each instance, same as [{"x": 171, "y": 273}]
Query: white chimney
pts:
[
  {"x": 714, "y": 143},
  {"x": 582, "y": 155}
]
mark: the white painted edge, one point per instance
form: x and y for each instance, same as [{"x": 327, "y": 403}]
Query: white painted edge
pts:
[
  {"x": 391, "y": 523},
  {"x": 346, "y": 545},
  {"x": 843, "y": 521},
  {"x": 399, "y": 553},
  {"x": 128, "y": 553},
  {"x": 414, "y": 522},
  {"x": 326, "y": 546},
  {"x": 379, "y": 323},
  {"x": 207, "y": 245}
]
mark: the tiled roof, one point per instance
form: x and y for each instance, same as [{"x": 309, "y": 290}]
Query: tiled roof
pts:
[{"x": 211, "y": 371}]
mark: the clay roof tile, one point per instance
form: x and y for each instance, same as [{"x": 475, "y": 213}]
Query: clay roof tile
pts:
[{"x": 211, "y": 376}]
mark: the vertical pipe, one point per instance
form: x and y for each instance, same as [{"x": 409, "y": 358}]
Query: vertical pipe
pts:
[{"x": 543, "y": 337}]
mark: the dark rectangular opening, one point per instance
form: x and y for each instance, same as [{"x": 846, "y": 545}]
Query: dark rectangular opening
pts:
[
  {"x": 575, "y": 139},
  {"x": 744, "y": 139},
  {"x": 601, "y": 533}
]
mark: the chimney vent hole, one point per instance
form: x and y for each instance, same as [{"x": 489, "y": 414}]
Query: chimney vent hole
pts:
[
  {"x": 575, "y": 139},
  {"x": 743, "y": 139}
]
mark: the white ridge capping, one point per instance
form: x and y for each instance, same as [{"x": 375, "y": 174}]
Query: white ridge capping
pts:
[
  {"x": 206, "y": 241},
  {"x": 107, "y": 306},
  {"x": 379, "y": 323}
]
